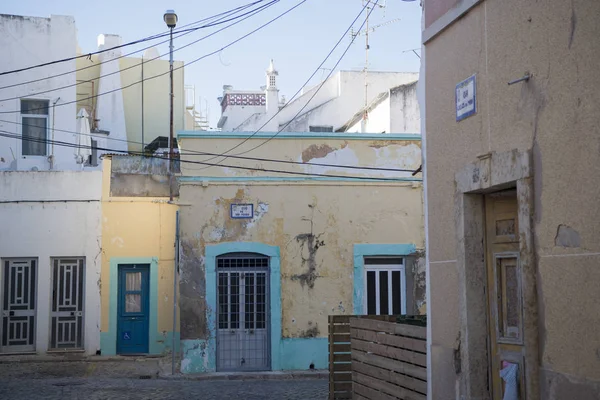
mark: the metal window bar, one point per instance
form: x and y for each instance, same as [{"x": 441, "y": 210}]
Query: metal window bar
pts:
[{"x": 243, "y": 336}]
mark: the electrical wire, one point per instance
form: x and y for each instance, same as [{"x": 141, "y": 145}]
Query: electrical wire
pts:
[
  {"x": 176, "y": 68},
  {"x": 224, "y": 155},
  {"x": 253, "y": 12},
  {"x": 72, "y": 145},
  {"x": 183, "y": 152},
  {"x": 88, "y": 55}
]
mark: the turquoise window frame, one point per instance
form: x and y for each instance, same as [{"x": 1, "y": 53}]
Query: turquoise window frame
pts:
[{"x": 363, "y": 250}]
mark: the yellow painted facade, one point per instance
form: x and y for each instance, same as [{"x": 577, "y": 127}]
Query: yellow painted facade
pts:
[{"x": 136, "y": 229}]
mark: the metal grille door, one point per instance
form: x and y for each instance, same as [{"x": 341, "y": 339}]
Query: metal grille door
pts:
[
  {"x": 66, "y": 330},
  {"x": 18, "y": 305},
  {"x": 243, "y": 342}
]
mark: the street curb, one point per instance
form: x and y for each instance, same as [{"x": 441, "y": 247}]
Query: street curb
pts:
[
  {"x": 62, "y": 359},
  {"x": 222, "y": 376}
]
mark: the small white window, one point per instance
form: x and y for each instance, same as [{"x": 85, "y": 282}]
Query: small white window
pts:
[
  {"x": 385, "y": 286},
  {"x": 34, "y": 120}
]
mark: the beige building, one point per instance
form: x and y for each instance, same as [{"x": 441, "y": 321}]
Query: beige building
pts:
[
  {"x": 266, "y": 256},
  {"x": 511, "y": 181},
  {"x": 139, "y": 113}
]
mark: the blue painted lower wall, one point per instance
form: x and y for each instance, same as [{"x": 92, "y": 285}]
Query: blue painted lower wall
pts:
[{"x": 198, "y": 356}]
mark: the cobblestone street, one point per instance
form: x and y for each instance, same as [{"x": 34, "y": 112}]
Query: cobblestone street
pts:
[{"x": 118, "y": 388}]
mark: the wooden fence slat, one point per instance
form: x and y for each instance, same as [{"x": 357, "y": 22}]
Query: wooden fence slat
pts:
[
  {"x": 342, "y": 377},
  {"x": 343, "y": 367},
  {"x": 386, "y": 387},
  {"x": 389, "y": 327},
  {"x": 339, "y": 318},
  {"x": 337, "y": 358},
  {"x": 341, "y": 328},
  {"x": 387, "y": 363},
  {"x": 343, "y": 386},
  {"x": 390, "y": 352},
  {"x": 390, "y": 376},
  {"x": 371, "y": 394},
  {"x": 341, "y": 347},
  {"x": 391, "y": 340}
]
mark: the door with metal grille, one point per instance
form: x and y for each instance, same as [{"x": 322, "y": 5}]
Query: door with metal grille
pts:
[
  {"x": 243, "y": 342},
  {"x": 18, "y": 305},
  {"x": 66, "y": 315}
]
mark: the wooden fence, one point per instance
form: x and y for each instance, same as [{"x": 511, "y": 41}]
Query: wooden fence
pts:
[
  {"x": 388, "y": 360},
  {"x": 340, "y": 367}
]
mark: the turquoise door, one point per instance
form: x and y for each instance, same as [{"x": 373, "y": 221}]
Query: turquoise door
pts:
[{"x": 133, "y": 309}]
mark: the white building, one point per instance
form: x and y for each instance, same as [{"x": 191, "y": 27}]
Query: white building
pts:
[
  {"x": 49, "y": 204},
  {"x": 36, "y": 111},
  {"x": 50, "y": 272},
  {"x": 329, "y": 106}
]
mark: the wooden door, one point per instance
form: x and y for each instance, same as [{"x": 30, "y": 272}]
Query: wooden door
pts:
[{"x": 505, "y": 315}]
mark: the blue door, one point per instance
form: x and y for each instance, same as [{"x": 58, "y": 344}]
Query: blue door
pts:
[{"x": 133, "y": 309}]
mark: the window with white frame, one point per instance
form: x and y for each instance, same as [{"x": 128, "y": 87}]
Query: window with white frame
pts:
[
  {"x": 385, "y": 285},
  {"x": 34, "y": 133}
]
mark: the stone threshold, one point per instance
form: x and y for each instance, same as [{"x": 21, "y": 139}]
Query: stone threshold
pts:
[
  {"x": 72, "y": 357},
  {"x": 267, "y": 375}
]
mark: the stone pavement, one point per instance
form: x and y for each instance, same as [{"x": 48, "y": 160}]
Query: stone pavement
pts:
[
  {"x": 134, "y": 389},
  {"x": 147, "y": 378}
]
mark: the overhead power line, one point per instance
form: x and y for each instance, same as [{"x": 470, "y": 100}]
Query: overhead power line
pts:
[
  {"x": 250, "y": 13},
  {"x": 225, "y": 154},
  {"x": 184, "y": 152},
  {"x": 298, "y": 173},
  {"x": 176, "y": 68},
  {"x": 88, "y": 55}
]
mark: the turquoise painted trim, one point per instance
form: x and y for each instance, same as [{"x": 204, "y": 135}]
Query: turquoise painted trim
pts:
[
  {"x": 203, "y": 352},
  {"x": 298, "y": 135},
  {"x": 299, "y": 353},
  {"x": 362, "y": 250},
  {"x": 185, "y": 179},
  {"x": 158, "y": 342}
]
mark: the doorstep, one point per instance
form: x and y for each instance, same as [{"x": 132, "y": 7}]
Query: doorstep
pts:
[
  {"x": 52, "y": 357},
  {"x": 267, "y": 375}
]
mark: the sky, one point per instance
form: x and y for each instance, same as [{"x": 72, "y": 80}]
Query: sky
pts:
[{"x": 297, "y": 42}]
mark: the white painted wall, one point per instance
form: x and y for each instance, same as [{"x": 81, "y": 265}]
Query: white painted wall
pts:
[
  {"x": 378, "y": 121},
  {"x": 61, "y": 217},
  {"x": 404, "y": 110},
  {"x": 27, "y": 41}
]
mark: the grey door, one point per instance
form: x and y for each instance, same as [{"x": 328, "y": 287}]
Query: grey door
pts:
[
  {"x": 243, "y": 342},
  {"x": 18, "y": 305},
  {"x": 66, "y": 315}
]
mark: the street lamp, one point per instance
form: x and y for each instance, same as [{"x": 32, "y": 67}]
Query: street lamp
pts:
[{"x": 170, "y": 19}]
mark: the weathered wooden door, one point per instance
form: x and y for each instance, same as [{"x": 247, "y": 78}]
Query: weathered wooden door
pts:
[
  {"x": 505, "y": 304},
  {"x": 133, "y": 306}
]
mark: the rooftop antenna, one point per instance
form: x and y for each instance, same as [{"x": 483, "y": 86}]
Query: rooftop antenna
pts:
[{"x": 369, "y": 5}]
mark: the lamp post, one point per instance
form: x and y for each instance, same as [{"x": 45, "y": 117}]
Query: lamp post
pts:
[{"x": 170, "y": 19}]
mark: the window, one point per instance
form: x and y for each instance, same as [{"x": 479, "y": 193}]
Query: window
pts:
[
  {"x": 34, "y": 120},
  {"x": 272, "y": 81},
  {"x": 386, "y": 285},
  {"x": 318, "y": 128}
]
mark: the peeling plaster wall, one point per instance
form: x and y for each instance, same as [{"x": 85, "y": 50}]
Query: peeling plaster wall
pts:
[
  {"x": 554, "y": 116},
  {"x": 54, "y": 214},
  {"x": 138, "y": 228},
  {"x": 315, "y": 226}
]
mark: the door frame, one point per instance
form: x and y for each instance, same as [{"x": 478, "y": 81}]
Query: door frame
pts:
[
  {"x": 120, "y": 305},
  {"x": 108, "y": 340},
  {"x": 212, "y": 252},
  {"x": 35, "y": 310},
  {"x": 267, "y": 273},
  {"x": 492, "y": 173}
]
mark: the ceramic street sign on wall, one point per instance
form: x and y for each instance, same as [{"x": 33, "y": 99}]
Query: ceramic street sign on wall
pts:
[
  {"x": 466, "y": 98},
  {"x": 241, "y": 211}
]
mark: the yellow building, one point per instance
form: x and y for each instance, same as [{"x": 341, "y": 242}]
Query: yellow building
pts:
[
  {"x": 138, "y": 257},
  {"x": 139, "y": 113},
  {"x": 266, "y": 256}
]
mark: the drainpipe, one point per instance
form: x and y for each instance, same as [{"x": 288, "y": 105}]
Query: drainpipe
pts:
[
  {"x": 51, "y": 158},
  {"x": 175, "y": 274}
]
